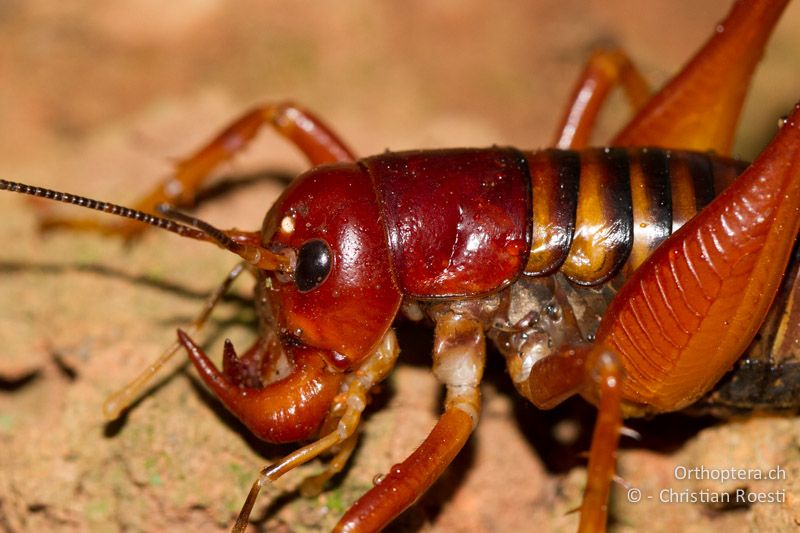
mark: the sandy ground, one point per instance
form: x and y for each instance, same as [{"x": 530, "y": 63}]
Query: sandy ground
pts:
[{"x": 98, "y": 98}]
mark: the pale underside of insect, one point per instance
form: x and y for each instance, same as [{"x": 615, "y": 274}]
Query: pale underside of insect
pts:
[{"x": 149, "y": 474}]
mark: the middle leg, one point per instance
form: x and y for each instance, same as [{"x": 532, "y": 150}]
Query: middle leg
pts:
[
  {"x": 308, "y": 133},
  {"x": 605, "y": 69}
]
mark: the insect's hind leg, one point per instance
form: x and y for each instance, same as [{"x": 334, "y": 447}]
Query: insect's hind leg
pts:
[
  {"x": 699, "y": 108},
  {"x": 607, "y": 380},
  {"x": 604, "y": 70},
  {"x": 575, "y": 371},
  {"x": 300, "y": 127}
]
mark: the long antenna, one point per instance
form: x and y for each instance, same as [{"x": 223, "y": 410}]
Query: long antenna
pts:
[
  {"x": 188, "y": 226},
  {"x": 106, "y": 207}
]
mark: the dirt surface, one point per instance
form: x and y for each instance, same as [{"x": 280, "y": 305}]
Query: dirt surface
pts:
[{"x": 99, "y": 98}]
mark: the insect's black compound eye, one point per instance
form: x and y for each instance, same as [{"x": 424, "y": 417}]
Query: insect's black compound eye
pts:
[{"x": 313, "y": 265}]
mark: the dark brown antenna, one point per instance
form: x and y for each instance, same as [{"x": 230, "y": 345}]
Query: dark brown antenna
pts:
[{"x": 188, "y": 227}]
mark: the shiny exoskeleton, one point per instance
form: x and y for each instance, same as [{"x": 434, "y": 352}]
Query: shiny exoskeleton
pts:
[
  {"x": 767, "y": 377},
  {"x": 633, "y": 275}
]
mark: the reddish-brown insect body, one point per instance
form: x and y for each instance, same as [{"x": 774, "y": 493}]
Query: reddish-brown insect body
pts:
[{"x": 457, "y": 221}]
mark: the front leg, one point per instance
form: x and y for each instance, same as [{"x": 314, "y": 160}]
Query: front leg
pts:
[
  {"x": 458, "y": 360},
  {"x": 340, "y": 427}
]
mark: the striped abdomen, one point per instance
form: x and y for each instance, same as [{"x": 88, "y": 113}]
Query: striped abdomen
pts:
[
  {"x": 465, "y": 222},
  {"x": 599, "y": 210}
]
